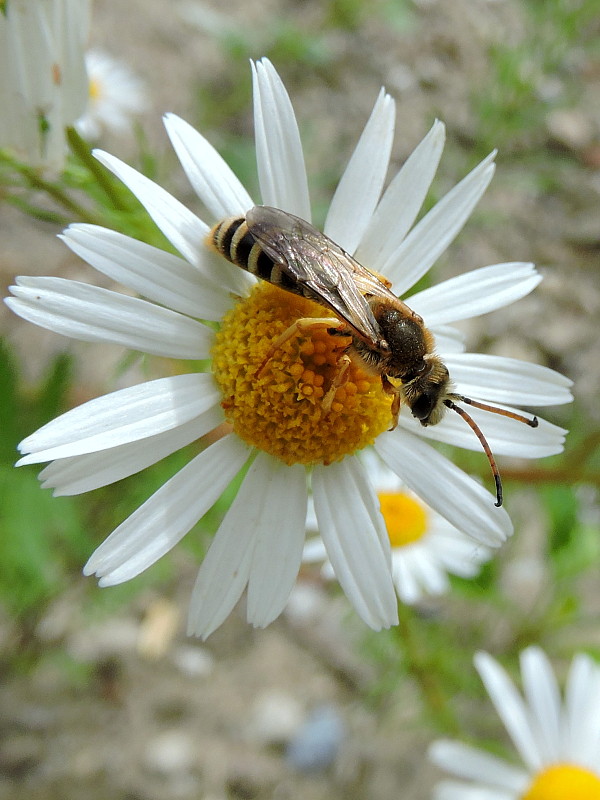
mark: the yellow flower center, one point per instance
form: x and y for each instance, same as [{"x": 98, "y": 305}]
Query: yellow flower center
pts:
[
  {"x": 94, "y": 89},
  {"x": 405, "y": 518},
  {"x": 564, "y": 782},
  {"x": 280, "y": 408}
]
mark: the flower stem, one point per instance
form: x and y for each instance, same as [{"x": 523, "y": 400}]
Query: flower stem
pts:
[
  {"x": 423, "y": 667},
  {"x": 37, "y": 213},
  {"x": 81, "y": 150},
  {"x": 36, "y": 181},
  {"x": 56, "y": 193}
]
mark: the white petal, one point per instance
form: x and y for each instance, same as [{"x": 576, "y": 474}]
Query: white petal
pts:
[
  {"x": 505, "y": 436},
  {"x": 157, "y": 275},
  {"x": 543, "y": 698},
  {"x": 212, "y": 178},
  {"x": 381, "y": 478},
  {"x": 314, "y": 550},
  {"x": 183, "y": 229},
  {"x": 475, "y": 292},
  {"x": 92, "y": 314},
  {"x": 401, "y": 201},
  {"x": 357, "y": 544},
  {"x": 458, "y": 790},
  {"x": 428, "y": 572},
  {"x": 279, "y": 539},
  {"x": 444, "y": 487},
  {"x": 164, "y": 519},
  {"x": 279, "y": 157},
  {"x": 78, "y": 474},
  {"x": 228, "y": 565},
  {"x": 222, "y": 578},
  {"x": 126, "y": 415},
  {"x": 581, "y": 725},
  {"x": 28, "y": 26},
  {"x": 469, "y": 762},
  {"x": 72, "y": 23},
  {"x": 448, "y": 339},
  {"x": 405, "y": 581},
  {"x": 457, "y": 553},
  {"x": 432, "y": 235},
  {"x": 508, "y": 380},
  {"x": 510, "y": 708},
  {"x": 360, "y": 186}
]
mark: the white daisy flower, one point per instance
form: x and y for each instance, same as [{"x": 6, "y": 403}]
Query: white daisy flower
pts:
[
  {"x": 43, "y": 82},
  {"x": 278, "y": 418},
  {"x": 426, "y": 548},
  {"x": 116, "y": 96},
  {"x": 558, "y": 741}
]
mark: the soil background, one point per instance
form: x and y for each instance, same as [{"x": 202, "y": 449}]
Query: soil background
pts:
[{"x": 124, "y": 706}]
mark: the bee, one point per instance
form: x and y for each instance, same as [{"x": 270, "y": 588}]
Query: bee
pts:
[{"x": 386, "y": 337}]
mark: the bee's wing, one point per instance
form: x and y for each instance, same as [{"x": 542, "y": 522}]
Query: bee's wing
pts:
[
  {"x": 370, "y": 285},
  {"x": 314, "y": 261}
]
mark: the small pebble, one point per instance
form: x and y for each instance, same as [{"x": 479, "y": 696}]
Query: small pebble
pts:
[
  {"x": 193, "y": 661},
  {"x": 170, "y": 752},
  {"x": 276, "y": 718},
  {"x": 317, "y": 742}
]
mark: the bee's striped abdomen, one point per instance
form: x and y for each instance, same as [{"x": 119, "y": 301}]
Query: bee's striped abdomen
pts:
[{"x": 232, "y": 239}]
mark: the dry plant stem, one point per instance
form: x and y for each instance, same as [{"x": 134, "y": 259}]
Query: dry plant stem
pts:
[
  {"x": 424, "y": 669},
  {"x": 573, "y": 470},
  {"x": 565, "y": 475}
]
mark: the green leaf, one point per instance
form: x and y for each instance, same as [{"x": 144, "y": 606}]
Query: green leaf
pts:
[
  {"x": 9, "y": 421},
  {"x": 41, "y": 540}
]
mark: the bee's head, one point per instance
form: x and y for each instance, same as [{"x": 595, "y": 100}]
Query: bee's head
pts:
[{"x": 426, "y": 389}]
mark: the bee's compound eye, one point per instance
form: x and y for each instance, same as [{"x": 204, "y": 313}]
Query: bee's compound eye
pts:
[{"x": 423, "y": 406}]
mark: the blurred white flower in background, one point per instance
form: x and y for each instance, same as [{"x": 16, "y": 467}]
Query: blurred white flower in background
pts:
[
  {"x": 558, "y": 740},
  {"x": 425, "y": 547},
  {"x": 116, "y": 96},
  {"x": 43, "y": 80}
]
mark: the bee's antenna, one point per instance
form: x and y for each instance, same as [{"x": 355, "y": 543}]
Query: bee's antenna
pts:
[
  {"x": 486, "y": 448},
  {"x": 533, "y": 423}
]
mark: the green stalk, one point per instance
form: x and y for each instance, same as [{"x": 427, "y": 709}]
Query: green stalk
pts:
[
  {"x": 424, "y": 669},
  {"x": 80, "y": 149},
  {"x": 42, "y": 214},
  {"x": 36, "y": 181}
]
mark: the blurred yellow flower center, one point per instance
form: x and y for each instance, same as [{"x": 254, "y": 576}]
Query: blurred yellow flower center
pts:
[
  {"x": 564, "y": 782},
  {"x": 405, "y": 517},
  {"x": 94, "y": 89},
  {"x": 280, "y": 408}
]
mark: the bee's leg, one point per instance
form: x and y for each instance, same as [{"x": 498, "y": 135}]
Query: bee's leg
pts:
[
  {"x": 343, "y": 364},
  {"x": 389, "y": 388},
  {"x": 299, "y": 327}
]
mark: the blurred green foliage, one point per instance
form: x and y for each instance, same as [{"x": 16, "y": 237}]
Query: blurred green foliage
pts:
[
  {"x": 534, "y": 74},
  {"x": 45, "y": 540},
  {"x": 41, "y": 538}
]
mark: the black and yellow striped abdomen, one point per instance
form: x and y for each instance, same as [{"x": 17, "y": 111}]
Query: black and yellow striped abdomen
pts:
[{"x": 232, "y": 239}]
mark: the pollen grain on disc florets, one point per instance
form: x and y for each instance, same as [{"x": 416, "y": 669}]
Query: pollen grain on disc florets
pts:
[{"x": 280, "y": 409}]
